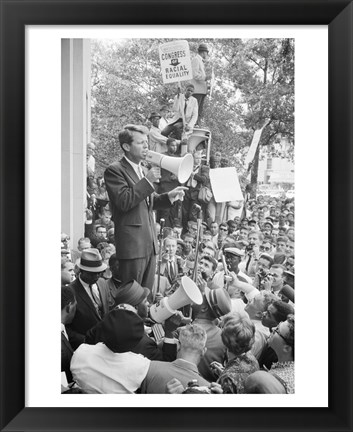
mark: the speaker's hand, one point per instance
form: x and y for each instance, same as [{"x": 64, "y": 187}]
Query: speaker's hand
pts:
[
  {"x": 154, "y": 174},
  {"x": 177, "y": 193}
]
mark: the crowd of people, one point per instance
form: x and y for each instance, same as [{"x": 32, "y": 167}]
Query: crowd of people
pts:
[{"x": 145, "y": 233}]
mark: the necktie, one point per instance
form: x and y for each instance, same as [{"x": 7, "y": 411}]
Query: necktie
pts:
[
  {"x": 186, "y": 103},
  {"x": 171, "y": 270},
  {"x": 96, "y": 300},
  {"x": 248, "y": 263},
  {"x": 141, "y": 175}
]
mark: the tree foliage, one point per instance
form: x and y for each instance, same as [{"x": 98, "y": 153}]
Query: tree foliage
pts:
[{"x": 254, "y": 83}]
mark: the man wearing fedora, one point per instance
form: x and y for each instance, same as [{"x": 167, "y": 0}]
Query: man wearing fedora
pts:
[
  {"x": 133, "y": 199},
  {"x": 157, "y": 141},
  {"x": 200, "y": 77},
  {"x": 92, "y": 296}
]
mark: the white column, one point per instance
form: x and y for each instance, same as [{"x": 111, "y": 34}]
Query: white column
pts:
[{"x": 75, "y": 133}]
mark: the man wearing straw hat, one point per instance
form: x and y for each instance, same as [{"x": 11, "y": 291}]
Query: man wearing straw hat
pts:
[{"x": 92, "y": 296}]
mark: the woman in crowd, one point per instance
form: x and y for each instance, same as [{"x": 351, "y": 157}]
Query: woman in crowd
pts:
[{"x": 238, "y": 336}]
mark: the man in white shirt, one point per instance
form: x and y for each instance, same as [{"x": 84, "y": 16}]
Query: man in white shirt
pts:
[
  {"x": 185, "y": 108},
  {"x": 110, "y": 366}
]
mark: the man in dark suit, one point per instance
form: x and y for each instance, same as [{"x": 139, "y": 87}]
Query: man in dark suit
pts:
[
  {"x": 133, "y": 199},
  {"x": 92, "y": 295},
  {"x": 172, "y": 264},
  {"x": 68, "y": 309}
]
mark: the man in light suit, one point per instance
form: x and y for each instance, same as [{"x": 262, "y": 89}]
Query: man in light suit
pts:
[
  {"x": 133, "y": 199},
  {"x": 185, "y": 105},
  {"x": 192, "y": 346},
  {"x": 92, "y": 295},
  {"x": 200, "y": 77}
]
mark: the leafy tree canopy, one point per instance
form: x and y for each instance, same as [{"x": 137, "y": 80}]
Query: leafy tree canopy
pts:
[{"x": 254, "y": 83}]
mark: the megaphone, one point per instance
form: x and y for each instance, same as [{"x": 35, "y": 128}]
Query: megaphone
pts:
[
  {"x": 197, "y": 137},
  {"x": 180, "y": 167},
  {"x": 186, "y": 294}
]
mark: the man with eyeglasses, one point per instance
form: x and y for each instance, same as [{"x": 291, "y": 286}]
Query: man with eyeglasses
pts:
[
  {"x": 275, "y": 313},
  {"x": 266, "y": 247},
  {"x": 262, "y": 269}
]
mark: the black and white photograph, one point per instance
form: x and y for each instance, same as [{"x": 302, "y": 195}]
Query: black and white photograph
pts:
[
  {"x": 178, "y": 216},
  {"x": 177, "y": 186},
  {"x": 193, "y": 167}
]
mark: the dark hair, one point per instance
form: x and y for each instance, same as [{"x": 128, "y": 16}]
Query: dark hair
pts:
[
  {"x": 282, "y": 310},
  {"x": 282, "y": 239},
  {"x": 188, "y": 234},
  {"x": 170, "y": 140},
  {"x": 211, "y": 260},
  {"x": 126, "y": 135},
  {"x": 100, "y": 226},
  {"x": 67, "y": 296},
  {"x": 238, "y": 335},
  {"x": 113, "y": 260}
]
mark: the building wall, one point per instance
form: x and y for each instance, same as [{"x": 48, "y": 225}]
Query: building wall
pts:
[
  {"x": 75, "y": 133},
  {"x": 276, "y": 168}
]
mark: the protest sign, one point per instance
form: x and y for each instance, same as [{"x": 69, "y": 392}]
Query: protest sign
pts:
[
  {"x": 254, "y": 143},
  {"x": 175, "y": 61},
  {"x": 225, "y": 184}
]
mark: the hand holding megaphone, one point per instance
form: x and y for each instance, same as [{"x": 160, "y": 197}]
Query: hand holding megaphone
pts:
[{"x": 154, "y": 174}]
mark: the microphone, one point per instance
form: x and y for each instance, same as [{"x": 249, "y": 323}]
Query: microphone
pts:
[{"x": 161, "y": 223}]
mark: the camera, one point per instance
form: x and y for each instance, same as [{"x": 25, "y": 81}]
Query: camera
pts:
[
  {"x": 249, "y": 247},
  {"x": 262, "y": 273}
]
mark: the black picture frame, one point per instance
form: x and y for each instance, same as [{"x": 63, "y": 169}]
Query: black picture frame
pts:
[{"x": 15, "y": 15}]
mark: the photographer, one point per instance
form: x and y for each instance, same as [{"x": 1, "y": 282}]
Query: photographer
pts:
[
  {"x": 274, "y": 280},
  {"x": 262, "y": 268}
]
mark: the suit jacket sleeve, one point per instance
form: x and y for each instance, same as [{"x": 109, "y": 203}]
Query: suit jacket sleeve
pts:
[
  {"x": 197, "y": 70},
  {"x": 124, "y": 196}
]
